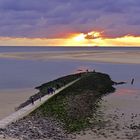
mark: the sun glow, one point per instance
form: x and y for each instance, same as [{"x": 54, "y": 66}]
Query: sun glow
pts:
[
  {"x": 95, "y": 38},
  {"x": 92, "y": 38},
  {"x": 83, "y": 37},
  {"x": 80, "y": 37},
  {"x": 93, "y": 35}
]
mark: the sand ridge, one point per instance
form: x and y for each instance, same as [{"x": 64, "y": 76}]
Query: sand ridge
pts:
[{"x": 97, "y": 56}]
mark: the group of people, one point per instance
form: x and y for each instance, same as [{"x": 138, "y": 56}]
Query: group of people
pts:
[{"x": 50, "y": 90}]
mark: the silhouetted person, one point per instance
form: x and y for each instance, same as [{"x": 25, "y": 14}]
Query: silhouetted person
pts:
[
  {"x": 57, "y": 86},
  {"x": 39, "y": 97},
  {"x": 48, "y": 90},
  {"x": 32, "y": 100},
  {"x": 51, "y": 90},
  {"x": 132, "y": 81}
]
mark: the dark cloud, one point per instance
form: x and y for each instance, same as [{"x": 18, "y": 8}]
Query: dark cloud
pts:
[{"x": 49, "y": 18}]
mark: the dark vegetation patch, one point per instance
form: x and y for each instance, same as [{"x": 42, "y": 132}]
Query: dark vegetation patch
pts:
[{"x": 76, "y": 105}]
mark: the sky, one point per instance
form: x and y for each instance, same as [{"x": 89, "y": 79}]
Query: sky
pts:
[{"x": 70, "y": 22}]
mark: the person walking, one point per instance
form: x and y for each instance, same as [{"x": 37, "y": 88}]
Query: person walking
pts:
[
  {"x": 32, "y": 100},
  {"x": 40, "y": 97},
  {"x": 132, "y": 81}
]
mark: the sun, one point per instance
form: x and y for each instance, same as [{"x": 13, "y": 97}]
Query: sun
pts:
[
  {"x": 86, "y": 36},
  {"x": 79, "y": 37}
]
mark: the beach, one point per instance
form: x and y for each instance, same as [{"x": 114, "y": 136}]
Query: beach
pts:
[
  {"x": 121, "y": 109},
  {"x": 31, "y": 69},
  {"x": 12, "y": 98}
]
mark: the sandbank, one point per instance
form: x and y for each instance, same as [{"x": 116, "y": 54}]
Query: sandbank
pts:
[{"x": 124, "y": 57}]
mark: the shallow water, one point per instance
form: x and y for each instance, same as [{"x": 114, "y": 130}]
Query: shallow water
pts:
[
  {"x": 15, "y": 73},
  {"x": 50, "y": 49},
  {"x": 31, "y": 73}
]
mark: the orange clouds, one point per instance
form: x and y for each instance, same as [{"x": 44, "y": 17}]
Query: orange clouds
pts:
[{"x": 93, "y": 38}]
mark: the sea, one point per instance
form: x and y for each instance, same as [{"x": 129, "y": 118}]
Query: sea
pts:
[{"x": 15, "y": 73}]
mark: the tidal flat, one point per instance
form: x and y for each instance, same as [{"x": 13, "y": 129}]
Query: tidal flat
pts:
[{"x": 121, "y": 107}]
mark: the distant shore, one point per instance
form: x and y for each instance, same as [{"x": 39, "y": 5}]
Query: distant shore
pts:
[{"x": 124, "y": 57}]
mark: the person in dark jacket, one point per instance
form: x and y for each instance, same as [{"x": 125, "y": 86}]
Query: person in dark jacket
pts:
[
  {"x": 32, "y": 100},
  {"x": 132, "y": 81}
]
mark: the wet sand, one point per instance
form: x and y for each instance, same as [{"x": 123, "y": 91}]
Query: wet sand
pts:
[
  {"x": 121, "y": 112},
  {"x": 97, "y": 56},
  {"x": 10, "y": 99}
]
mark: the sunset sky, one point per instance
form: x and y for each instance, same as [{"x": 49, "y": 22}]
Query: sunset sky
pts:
[{"x": 70, "y": 22}]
